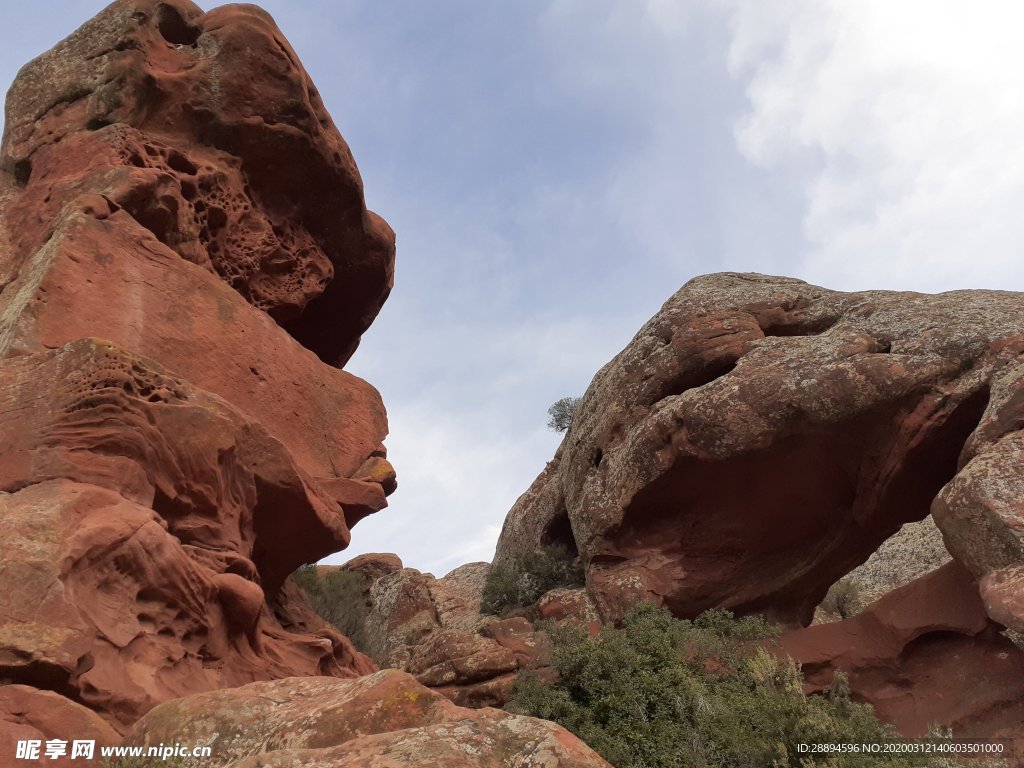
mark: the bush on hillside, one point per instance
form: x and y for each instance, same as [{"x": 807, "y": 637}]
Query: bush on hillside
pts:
[
  {"x": 666, "y": 693},
  {"x": 843, "y": 598},
  {"x": 339, "y": 597},
  {"x": 519, "y": 585}
]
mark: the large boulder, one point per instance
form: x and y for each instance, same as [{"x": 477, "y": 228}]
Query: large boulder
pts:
[
  {"x": 407, "y": 605},
  {"x": 28, "y": 714},
  {"x": 386, "y": 720},
  {"x": 185, "y": 259},
  {"x": 760, "y": 437}
]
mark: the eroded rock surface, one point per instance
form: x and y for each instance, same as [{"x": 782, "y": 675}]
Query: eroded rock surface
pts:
[
  {"x": 386, "y": 720},
  {"x": 205, "y": 129},
  {"x": 28, "y": 714},
  {"x": 760, "y": 437},
  {"x": 185, "y": 255},
  {"x": 924, "y": 654},
  {"x": 433, "y": 629}
]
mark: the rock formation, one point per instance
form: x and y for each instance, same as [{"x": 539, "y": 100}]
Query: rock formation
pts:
[
  {"x": 185, "y": 261},
  {"x": 433, "y": 629},
  {"x": 760, "y": 438},
  {"x": 386, "y": 720},
  {"x": 28, "y": 714},
  {"x": 914, "y": 550},
  {"x": 924, "y": 654}
]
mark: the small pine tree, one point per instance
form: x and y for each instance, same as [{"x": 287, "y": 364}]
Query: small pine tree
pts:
[{"x": 560, "y": 413}]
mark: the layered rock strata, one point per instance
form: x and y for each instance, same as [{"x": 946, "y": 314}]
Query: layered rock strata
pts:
[{"x": 186, "y": 260}]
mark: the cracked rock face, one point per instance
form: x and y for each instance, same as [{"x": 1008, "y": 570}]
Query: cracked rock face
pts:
[
  {"x": 760, "y": 437},
  {"x": 185, "y": 258}
]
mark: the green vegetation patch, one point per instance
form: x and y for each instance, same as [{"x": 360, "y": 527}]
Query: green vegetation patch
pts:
[
  {"x": 513, "y": 587},
  {"x": 661, "y": 692},
  {"x": 339, "y": 597}
]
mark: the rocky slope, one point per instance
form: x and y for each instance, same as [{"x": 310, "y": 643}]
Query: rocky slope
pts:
[
  {"x": 184, "y": 256},
  {"x": 433, "y": 629}
]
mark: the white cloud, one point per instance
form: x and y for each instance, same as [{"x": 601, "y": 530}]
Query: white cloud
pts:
[
  {"x": 458, "y": 476},
  {"x": 903, "y": 120},
  {"x": 468, "y": 432}
]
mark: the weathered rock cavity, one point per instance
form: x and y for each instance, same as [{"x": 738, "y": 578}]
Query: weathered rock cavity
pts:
[{"x": 185, "y": 254}]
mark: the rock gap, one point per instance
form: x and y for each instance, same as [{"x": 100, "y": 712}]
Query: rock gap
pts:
[
  {"x": 559, "y": 533},
  {"x": 796, "y": 326}
]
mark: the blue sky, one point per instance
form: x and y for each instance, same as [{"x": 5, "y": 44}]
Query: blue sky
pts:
[{"x": 556, "y": 169}]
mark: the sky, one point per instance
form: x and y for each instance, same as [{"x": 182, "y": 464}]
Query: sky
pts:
[{"x": 556, "y": 169}]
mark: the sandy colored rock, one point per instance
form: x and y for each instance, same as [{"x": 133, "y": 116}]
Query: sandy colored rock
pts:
[
  {"x": 570, "y": 606},
  {"x": 433, "y": 629},
  {"x": 402, "y": 613},
  {"x": 386, "y": 720},
  {"x": 407, "y": 605},
  {"x": 458, "y": 595},
  {"x": 761, "y": 425}
]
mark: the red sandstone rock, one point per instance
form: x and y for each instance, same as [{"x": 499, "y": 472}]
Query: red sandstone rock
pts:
[
  {"x": 30, "y": 714},
  {"x": 183, "y": 244},
  {"x": 386, "y": 720},
  {"x": 924, "y": 654},
  {"x": 206, "y": 130},
  {"x": 760, "y": 437},
  {"x": 433, "y": 629},
  {"x": 373, "y": 565},
  {"x": 570, "y": 606},
  {"x": 145, "y": 548}
]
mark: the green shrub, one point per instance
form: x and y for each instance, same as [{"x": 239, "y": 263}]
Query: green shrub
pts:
[
  {"x": 339, "y": 597},
  {"x": 665, "y": 693},
  {"x": 509, "y": 588},
  {"x": 843, "y": 598}
]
